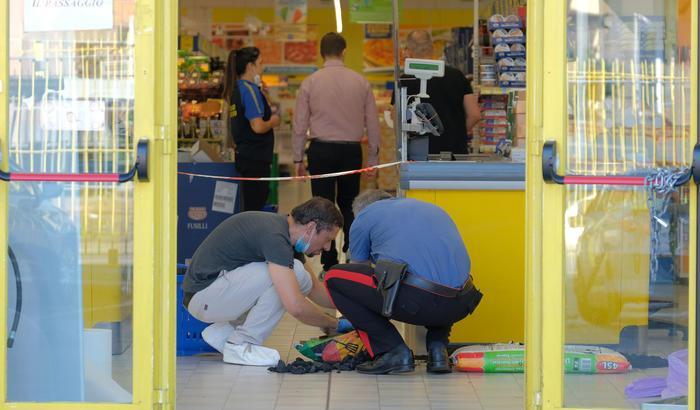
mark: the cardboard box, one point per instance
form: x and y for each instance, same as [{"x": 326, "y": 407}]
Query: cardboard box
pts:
[{"x": 202, "y": 151}]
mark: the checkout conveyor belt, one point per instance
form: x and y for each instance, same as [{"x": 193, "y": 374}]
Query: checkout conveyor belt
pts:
[{"x": 463, "y": 175}]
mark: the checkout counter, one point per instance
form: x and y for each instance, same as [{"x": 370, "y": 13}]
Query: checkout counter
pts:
[{"x": 486, "y": 199}]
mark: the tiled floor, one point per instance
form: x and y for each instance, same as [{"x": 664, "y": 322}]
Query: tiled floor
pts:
[{"x": 205, "y": 382}]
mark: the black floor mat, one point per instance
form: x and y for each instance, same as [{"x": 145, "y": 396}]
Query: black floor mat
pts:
[
  {"x": 641, "y": 361},
  {"x": 301, "y": 366}
]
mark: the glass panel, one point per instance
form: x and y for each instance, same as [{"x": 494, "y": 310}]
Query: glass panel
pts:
[
  {"x": 70, "y": 276},
  {"x": 626, "y": 248}
]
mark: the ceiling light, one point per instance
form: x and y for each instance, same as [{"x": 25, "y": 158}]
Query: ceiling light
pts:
[{"x": 338, "y": 17}]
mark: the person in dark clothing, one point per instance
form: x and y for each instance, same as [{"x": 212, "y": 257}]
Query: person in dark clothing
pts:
[
  {"x": 451, "y": 96},
  {"x": 437, "y": 290},
  {"x": 251, "y": 124}
]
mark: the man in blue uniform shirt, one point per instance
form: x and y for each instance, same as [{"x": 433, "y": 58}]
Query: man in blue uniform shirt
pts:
[{"x": 431, "y": 284}]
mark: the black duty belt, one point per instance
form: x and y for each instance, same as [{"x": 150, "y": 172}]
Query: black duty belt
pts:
[
  {"x": 436, "y": 288},
  {"x": 316, "y": 140}
]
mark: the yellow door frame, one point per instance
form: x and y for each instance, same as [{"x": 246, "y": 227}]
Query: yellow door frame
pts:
[
  {"x": 547, "y": 82},
  {"x": 533, "y": 207},
  {"x": 166, "y": 209},
  {"x": 154, "y": 211}
]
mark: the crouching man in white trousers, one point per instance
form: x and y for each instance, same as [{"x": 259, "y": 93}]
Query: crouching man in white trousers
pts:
[{"x": 243, "y": 277}]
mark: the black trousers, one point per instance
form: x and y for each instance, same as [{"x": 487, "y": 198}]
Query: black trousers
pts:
[
  {"x": 353, "y": 289},
  {"x": 328, "y": 157},
  {"x": 253, "y": 193}
]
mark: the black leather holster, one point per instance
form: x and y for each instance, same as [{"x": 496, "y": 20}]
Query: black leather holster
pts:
[{"x": 389, "y": 276}]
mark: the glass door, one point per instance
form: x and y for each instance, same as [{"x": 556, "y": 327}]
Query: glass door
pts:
[
  {"x": 617, "y": 256},
  {"x": 84, "y": 88}
]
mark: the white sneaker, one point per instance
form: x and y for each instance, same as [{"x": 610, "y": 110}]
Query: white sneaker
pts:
[
  {"x": 250, "y": 355},
  {"x": 216, "y": 335}
]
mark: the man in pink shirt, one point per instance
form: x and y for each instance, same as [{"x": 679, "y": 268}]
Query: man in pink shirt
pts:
[{"x": 334, "y": 107}]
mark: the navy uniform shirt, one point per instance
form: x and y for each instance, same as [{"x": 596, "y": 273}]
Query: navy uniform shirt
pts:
[
  {"x": 413, "y": 232},
  {"x": 248, "y": 103}
]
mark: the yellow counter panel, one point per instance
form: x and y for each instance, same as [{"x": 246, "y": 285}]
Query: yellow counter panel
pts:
[{"x": 492, "y": 225}]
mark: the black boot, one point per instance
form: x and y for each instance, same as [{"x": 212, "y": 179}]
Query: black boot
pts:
[
  {"x": 438, "y": 361},
  {"x": 396, "y": 360}
]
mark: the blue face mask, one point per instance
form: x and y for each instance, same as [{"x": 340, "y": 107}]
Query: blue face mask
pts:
[{"x": 303, "y": 246}]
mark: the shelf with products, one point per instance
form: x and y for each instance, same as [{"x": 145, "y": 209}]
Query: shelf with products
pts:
[
  {"x": 502, "y": 118},
  {"x": 500, "y": 73},
  {"x": 502, "y": 60},
  {"x": 201, "y": 120},
  {"x": 494, "y": 124},
  {"x": 199, "y": 76},
  {"x": 500, "y": 44},
  {"x": 200, "y": 85}
]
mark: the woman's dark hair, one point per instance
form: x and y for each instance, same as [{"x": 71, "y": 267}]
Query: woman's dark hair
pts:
[
  {"x": 238, "y": 61},
  {"x": 320, "y": 210},
  {"x": 332, "y": 45}
]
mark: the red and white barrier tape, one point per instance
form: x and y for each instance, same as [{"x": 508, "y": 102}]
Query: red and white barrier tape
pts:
[{"x": 296, "y": 178}]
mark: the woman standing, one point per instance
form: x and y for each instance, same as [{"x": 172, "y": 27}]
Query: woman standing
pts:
[{"x": 251, "y": 124}]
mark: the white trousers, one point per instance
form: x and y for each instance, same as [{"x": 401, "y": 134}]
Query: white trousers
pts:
[{"x": 246, "y": 298}]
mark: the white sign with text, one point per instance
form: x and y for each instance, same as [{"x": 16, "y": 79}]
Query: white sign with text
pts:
[
  {"x": 73, "y": 115},
  {"x": 68, "y": 15},
  {"x": 224, "y": 197}
]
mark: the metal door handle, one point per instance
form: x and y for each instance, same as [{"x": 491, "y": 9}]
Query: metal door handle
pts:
[
  {"x": 139, "y": 170},
  {"x": 549, "y": 172}
]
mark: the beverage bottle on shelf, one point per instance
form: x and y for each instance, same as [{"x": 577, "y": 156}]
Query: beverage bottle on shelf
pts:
[
  {"x": 180, "y": 128},
  {"x": 193, "y": 134},
  {"x": 207, "y": 132}
]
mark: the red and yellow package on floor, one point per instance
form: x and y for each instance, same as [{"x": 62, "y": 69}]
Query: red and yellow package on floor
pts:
[
  {"x": 332, "y": 349},
  {"x": 510, "y": 358}
]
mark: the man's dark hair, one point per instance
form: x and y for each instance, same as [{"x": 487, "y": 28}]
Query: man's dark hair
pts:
[
  {"x": 320, "y": 210},
  {"x": 332, "y": 45}
]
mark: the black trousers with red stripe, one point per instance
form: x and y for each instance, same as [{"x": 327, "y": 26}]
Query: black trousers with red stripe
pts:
[{"x": 353, "y": 289}]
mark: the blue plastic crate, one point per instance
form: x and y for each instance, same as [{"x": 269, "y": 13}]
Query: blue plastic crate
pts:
[
  {"x": 273, "y": 208},
  {"x": 189, "y": 329}
]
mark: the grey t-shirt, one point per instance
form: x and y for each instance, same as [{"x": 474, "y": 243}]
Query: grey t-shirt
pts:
[{"x": 239, "y": 240}]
